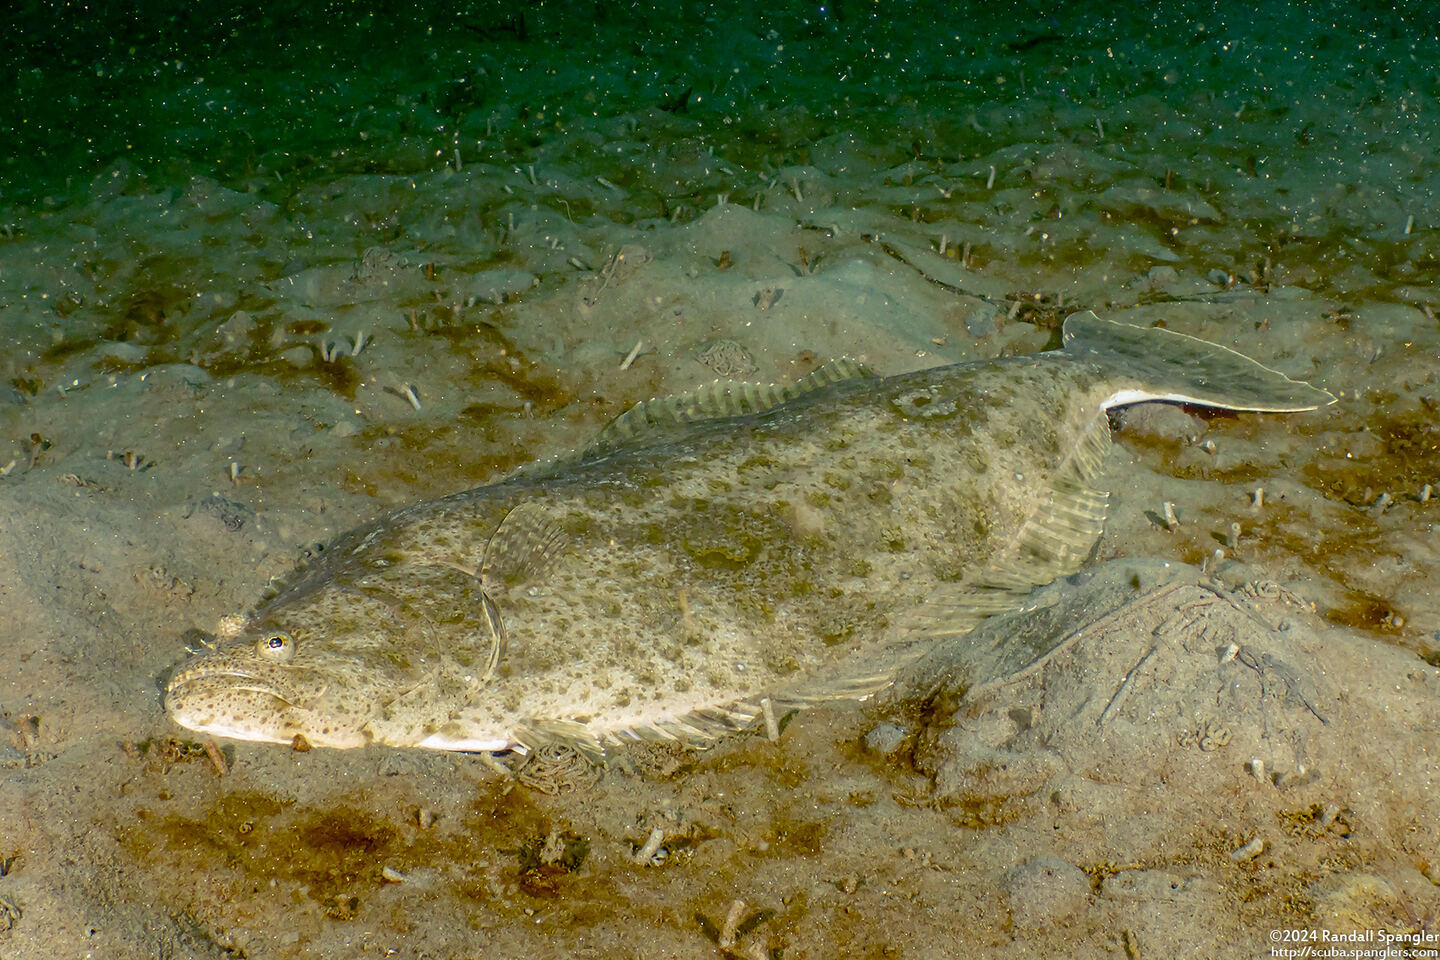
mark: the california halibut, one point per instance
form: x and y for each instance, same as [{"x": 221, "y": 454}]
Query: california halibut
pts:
[{"x": 798, "y": 543}]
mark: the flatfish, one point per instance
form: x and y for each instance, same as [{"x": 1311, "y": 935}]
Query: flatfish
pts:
[{"x": 707, "y": 551}]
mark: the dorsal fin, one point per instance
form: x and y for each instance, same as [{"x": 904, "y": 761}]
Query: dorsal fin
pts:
[
  {"x": 717, "y": 400},
  {"x": 659, "y": 418}
]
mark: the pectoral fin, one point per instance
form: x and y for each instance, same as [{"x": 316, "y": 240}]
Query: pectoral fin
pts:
[
  {"x": 1053, "y": 543},
  {"x": 523, "y": 549}
]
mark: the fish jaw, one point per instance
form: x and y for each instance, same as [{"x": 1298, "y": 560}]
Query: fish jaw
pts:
[
  {"x": 228, "y": 697},
  {"x": 468, "y": 744}
]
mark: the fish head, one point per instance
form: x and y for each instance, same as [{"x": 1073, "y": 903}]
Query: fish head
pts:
[{"x": 272, "y": 687}]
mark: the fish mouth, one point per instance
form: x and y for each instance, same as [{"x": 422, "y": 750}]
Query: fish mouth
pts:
[
  {"x": 215, "y": 693},
  {"x": 202, "y": 679},
  {"x": 230, "y": 703},
  {"x": 230, "y": 679},
  {"x": 227, "y": 683}
]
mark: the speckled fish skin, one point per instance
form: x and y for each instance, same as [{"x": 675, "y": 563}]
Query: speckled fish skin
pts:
[{"x": 780, "y": 554}]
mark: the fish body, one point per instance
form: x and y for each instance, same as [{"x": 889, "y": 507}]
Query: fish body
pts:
[{"x": 745, "y": 542}]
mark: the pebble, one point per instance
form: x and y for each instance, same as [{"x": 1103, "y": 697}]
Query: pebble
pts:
[
  {"x": 1045, "y": 891},
  {"x": 298, "y": 356},
  {"x": 235, "y": 330},
  {"x": 1161, "y": 276},
  {"x": 983, "y": 321},
  {"x": 180, "y": 379},
  {"x": 121, "y": 352},
  {"x": 885, "y": 739}
]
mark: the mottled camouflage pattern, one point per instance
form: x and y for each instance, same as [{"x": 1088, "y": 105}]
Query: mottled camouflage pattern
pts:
[{"x": 664, "y": 586}]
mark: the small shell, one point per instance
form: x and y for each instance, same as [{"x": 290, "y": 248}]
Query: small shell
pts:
[
  {"x": 212, "y": 750},
  {"x": 731, "y": 925},
  {"x": 1250, "y": 851},
  {"x": 772, "y": 729},
  {"x": 645, "y": 856}
]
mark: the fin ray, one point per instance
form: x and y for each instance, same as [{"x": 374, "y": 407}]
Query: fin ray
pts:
[
  {"x": 717, "y": 400},
  {"x": 539, "y": 732},
  {"x": 1053, "y": 543},
  {"x": 1166, "y": 365},
  {"x": 661, "y": 418},
  {"x": 524, "y": 547}
]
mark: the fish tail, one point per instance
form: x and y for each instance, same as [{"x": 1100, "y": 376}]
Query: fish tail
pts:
[{"x": 1152, "y": 363}]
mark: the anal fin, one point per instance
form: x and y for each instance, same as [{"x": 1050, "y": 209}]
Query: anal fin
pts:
[
  {"x": 537, "y": 733},
  {"x": 697, "y": 729}
]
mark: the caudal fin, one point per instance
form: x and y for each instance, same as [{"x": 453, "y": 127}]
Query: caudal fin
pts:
[{"x": 1152, "y": 363}]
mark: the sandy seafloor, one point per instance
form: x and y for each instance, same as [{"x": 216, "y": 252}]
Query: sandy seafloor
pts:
[{"x": 201, "y": 215}]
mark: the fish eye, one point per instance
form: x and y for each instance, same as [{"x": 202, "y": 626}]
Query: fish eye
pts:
[{"x": 276, "y": 647}]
